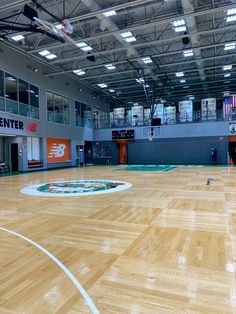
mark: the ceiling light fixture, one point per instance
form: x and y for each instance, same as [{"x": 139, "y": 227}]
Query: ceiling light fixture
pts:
[
  {"x": 110, "y": 66},
  {"x": 147, "y": 60},
  {"x": 51, "y": 56},
  {"x": 188, "y": 53},
  {"x": 231, "y": 15},
  {"x": 179, "y": 23},
  {"x": 17, "y": 37},
  {"x": 230, "y": 46},
  {"x": 83, "y": 46},
  {"x": 44, "y": 53},
  {"x": 128, "y": 37},
  {"x": 227, "y": 67},
  {"x": 180, "y": 29},
  {"x": 79, "y": 72},
  {"x": 109, "y": 13},
  {"x": 231, "y": 18},
  {"x": 179, "y": 74},
  {"x": 87, "y": 48},
  {"x": 179, "y": 26},
  {"x": 126, "y": 34},
  {"x": 140, "y": 80},
  {"x": 102, "y": 85}
]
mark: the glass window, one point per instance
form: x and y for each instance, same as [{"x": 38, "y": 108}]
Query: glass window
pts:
[
  {"x": 23, "y": 92},
  {"x": 83, "y": 109},
  {"x": 1, "y": 83},
  {"x": 77, "y": 108},
  {"x": 50, "y": 101},
  {"x": 58, "y": 108},
  {"x": 11, "y": 86},
  {"x": 34, "y": 96},
  {"x": 58, "y": 104}
]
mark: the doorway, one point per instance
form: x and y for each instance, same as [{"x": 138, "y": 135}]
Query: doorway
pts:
[
  {"x": 14, "y": 157},
  {"x": 123, "y": 151}
]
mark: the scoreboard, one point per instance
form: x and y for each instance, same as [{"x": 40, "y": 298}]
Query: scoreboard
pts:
[{"x": 123, "y": 135}]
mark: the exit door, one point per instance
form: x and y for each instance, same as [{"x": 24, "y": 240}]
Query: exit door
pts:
[{"x": 123, "y": 152}]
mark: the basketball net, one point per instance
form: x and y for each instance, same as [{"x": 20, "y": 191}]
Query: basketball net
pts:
[
  {"x": 67, "y": 27},
  {"x": 150, "y": 136}
]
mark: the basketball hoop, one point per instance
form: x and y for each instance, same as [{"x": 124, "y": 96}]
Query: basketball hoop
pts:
[{"x": 67, "y": 27}]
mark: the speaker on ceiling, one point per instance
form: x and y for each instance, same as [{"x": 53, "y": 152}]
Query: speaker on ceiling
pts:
[
  {"x": 185, "y": 40},
  {"x": 29, "y": 12},
  {"x": 91, "y": 57}
]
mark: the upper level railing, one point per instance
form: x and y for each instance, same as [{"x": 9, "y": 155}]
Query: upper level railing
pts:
[
  {"x": 15, "y": 107},
  {"x": 196, "y": 118}
]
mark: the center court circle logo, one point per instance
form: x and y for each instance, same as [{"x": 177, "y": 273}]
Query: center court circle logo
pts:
[{"x": 76, "y": 188}]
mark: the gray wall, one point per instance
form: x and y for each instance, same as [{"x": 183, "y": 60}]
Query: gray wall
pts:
[
  {"x": 1, "y": 149},
  {"x": 22, "y": 67},
  {"x": 177, "y": 151},
  {"x": 176, "y": 131}
]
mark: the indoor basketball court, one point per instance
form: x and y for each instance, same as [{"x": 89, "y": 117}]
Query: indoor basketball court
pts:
[{"x": 117, "y": 153}]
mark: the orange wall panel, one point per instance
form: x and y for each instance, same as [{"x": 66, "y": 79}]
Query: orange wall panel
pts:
[{"x": 58, "y": 150}]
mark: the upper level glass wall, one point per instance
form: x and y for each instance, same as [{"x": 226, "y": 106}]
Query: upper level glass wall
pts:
[
  {"x": 58, "y": 108},
  {"x": 18, "y": 96}
]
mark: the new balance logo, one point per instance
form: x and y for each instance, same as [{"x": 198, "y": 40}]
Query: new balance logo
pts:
[
  {"x": 32, "y": 127},
  {"x": 57, "y": 150}
]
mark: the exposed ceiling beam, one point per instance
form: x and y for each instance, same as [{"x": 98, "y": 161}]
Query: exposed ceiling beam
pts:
[
  {"x": 137, "y": 27},
  {"x": 180, "y": 51}
]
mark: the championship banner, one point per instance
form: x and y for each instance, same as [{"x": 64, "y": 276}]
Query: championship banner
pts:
[
  {"x": 119, "y": 114},
  {"x": 147, "y": 116},
  {"x": 170, "y": 115},
  {"x": 58, "y": 150},
  {"x": 209, "y": 109},
  {"x": 111, "y": 118},
  {"x": 159, "y": 112},
  {"x": 185, "y": 111},
  {"x": 230, "y": 107},
  {"x": 137, "y": 115},
  {"x": 129, "y": 117}
]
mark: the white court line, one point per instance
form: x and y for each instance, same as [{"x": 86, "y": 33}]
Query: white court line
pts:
[{"x": 87, "y": 298}]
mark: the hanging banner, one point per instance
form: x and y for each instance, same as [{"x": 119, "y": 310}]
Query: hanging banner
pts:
[
  {"x": 230, "y": 107},
  {"x": 159, "y": 112},
  {"x": 111, "y": 118},
  {"x": 119, "y": 114},
  {"x": 170, "y": 115},
  {"x": 128, "y": 115},
  {"x": 58, "y": 150},
  {"x": 208, "y": 109},
  {"x": 137, "y": 115},
  {"x": 147, "y": 116},
  {"x": 185, "y": 111},
  {"x": 103, "y": 119}
]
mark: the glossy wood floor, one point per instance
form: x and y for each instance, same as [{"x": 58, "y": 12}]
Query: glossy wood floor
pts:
[{"x": 167, "y": 245}]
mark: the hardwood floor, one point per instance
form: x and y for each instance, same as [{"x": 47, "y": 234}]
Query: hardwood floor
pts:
[{"x": 167, "y": 245}]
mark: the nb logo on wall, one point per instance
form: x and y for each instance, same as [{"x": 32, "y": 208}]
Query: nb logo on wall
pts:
[{"x": 57, "y": 150}]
